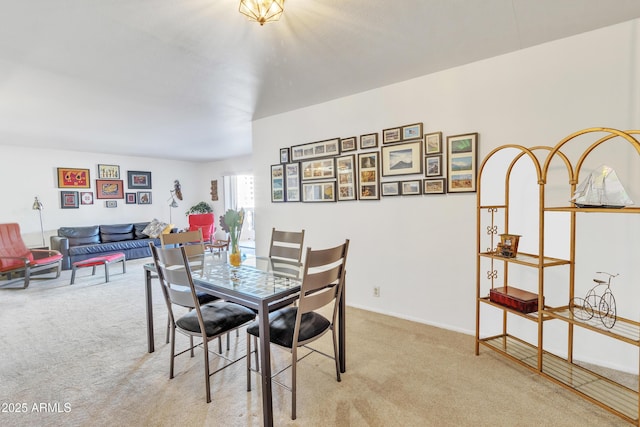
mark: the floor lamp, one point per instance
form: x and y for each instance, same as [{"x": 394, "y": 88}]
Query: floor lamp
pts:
[
  {"x": 172, "y": 205},
  {"x": 37, "y": 206}
]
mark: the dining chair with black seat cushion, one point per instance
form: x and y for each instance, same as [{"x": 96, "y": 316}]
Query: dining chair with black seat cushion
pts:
[
  {"x": 293, "y": 327},
  {"x": 207, "y": 322},
  {"x": 286, "y": 244}
]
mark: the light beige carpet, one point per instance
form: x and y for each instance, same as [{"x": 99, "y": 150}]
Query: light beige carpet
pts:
[{"x": 77, "y": 356}]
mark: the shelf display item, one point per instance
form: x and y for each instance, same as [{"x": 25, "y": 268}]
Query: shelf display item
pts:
[
  {"x": 601, "y": 189},
  {"x": 522, "y": 301},
  {"x": 593, "y": 305},
  {"x": 508, "y": 245}
]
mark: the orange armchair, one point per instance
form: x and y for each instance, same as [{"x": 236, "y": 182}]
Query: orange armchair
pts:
[
  {"x": 204, "y": 222},
  {"x": 18, "y": 263}
]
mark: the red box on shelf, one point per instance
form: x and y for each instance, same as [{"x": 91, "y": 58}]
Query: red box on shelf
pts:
[{"x": 522, "y": 301}]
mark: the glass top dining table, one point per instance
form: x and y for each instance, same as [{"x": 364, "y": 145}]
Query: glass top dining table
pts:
[{"x": 262, "y": 284}]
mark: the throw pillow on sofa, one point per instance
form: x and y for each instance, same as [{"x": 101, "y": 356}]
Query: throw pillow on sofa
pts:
[{"x": 155, "y": 228}]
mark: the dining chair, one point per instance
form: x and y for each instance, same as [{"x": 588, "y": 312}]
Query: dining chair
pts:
[
  {"x": 286, "y": 244},
  {"x": 208, "y": 321},
  {"x": 218, "y": 245},
  {"x": 293, "y": 327}
]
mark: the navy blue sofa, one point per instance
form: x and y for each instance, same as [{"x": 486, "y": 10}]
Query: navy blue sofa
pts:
[{"x": 80, "y": 243}]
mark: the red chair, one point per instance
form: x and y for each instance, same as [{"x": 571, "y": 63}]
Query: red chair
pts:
[
  {"x": 19, "y": 261},
  {"x": 204, "y": 222}
]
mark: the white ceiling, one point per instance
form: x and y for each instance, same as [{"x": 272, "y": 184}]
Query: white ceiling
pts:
[{"x": 183, "y": 79}]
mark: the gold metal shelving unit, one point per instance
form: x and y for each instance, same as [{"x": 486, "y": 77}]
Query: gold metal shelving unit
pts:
[{"x": 493, "y": 219}]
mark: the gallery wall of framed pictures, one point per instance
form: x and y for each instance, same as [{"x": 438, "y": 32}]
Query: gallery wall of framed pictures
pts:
[
  {"x": 108, "y": 186},
  {"x": 408, "y": 162}
]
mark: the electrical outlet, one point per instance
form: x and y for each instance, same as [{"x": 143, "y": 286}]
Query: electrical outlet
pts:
[{"x": 376, "y": 291}]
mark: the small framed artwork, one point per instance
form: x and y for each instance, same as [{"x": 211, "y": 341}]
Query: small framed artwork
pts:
[
  {"x": 319, "y": 191},
  {"x": 144, "y": 197},
  {"x": 109, "y": 189},
  {"x": 433, "y": 165},
  {"x": 73, "y": 178},
  {"x": 108, "y": 172},
  {"x": 69, "y": 200},
  {"x": 432, "y": 143},
  {"x": 111, "y": 204},
  {"x": 346, "y": 168},
  {"x": 86, "y": 198},
  {"x": 139, "y": 180},
  {"x": 413, "y": 131},
  {"x": 411, "y": 188},
  {"x": 369, "y": 140},
  {"x": 434, "y": 186},
  {"x": 284, "y": 155},
  {"x": 318, "y": 169},
  {"x": 462, "y": 160},
  {"x": 402, "y": 159},
  {"x": 292, "y": 184},
  {"x": 390, "y": 188},
  {"x": 368, "y": 176},
  {"x": 348, "y": 144},
  {"x": 277, "y": 183},
  {"x": 313, "y": 150},
  {"x": 391, "y": 135},
  {"x": 130, "y": 198}
]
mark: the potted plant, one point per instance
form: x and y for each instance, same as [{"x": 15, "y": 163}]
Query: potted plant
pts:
[{"x": 199, "y": 208}]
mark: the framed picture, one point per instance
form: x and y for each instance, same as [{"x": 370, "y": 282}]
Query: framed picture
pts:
[
  {"x": 368, "y": 176},
  {"x": 86, "y": 198},
  {"x": 313, "y": 150},
  {"x": 319, "y": 191},
  {"x": 111, "y": 204},
  {"x": 434, "y": 186},
  {"x": 346, "y": 169},
  {"x": 108, "y": 172},
  {"x": 139, "y": 180},
  {"x": 284, "y": 155},
  {"x": 130, "y": 198},
  {"x": 73, "y": 178},
  {"x": 391, "y": 135},
  {"x": 411, "y": 188},
  {"x": 277, "y": 183},
  {"x": 462, "y": 161},
  {"x": 144, "y": 197},
  {"x": 433, "y": 143},
  {"x": 390, "y": 188},
  {"x": 348, "y": 144},
  {"x": 369, "y": 140},
  {"x": 433, "y": 165},
  {"x": 413, "y": 131},
  {"x": 292, "y": 183},
  {"x": 402, "y": 159},
  {"x": 109, "y": 189},
  {"x": 69, "y": 200},
  {"x": 318, "y": 169}
]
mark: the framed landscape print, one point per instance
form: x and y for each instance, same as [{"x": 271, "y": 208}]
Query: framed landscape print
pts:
[
  {"x": 433, "y": 143},
  {"x": 108, "y": 172},
  {"x": 346, "y": 168},
  {"x": 292, "y": 184},
  {"x": 144, "y": 197},
  {"x": 462, "y": 159},
  {"x": 130, "y": 198},
  {"x": 111, "y": 204},
  {"x": 402, "y": 159},
  {"x": 86, "y": 198},
  {"x": 391, "y": 135},
  {"x": 348, "y": 144},
  {"x": 69, "y": 200},
  {"x": 390, "y": 188},
  {"x": 277, "y": 183},
  {"x": 319, "y": 191},
  {"x": 318, "y": 169},
  {"x": 433, "y": 165},
  {"x": 434, "y": 186},
  {"x": 284, "y": 155},
  {"x": 411, "y": 188},
  {"x": 73, "y": 178},
  {"x": 139, "y": 180},
  {"x": 368, "y": 176},
  {"x": 369, "y": 140},
  {"x": 109, "y": 189},
  {"x": 413, "y": 131},
  {"x": 312, "y": 150}
]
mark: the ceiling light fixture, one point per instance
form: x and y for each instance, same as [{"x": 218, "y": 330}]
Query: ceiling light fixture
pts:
[{"x": 262, "y": 11}]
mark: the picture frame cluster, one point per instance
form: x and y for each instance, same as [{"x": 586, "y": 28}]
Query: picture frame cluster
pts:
[{"x": 352, "y": 168}]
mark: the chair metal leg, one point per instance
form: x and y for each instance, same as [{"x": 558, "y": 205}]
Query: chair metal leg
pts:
[
  {"x": 206, "y": 368},
  {"x": 248, "y": 362},
  {"x": 335, "y": 353},
  {"x": 173, "y": 350},
  {"x": 294, "y": 365}
]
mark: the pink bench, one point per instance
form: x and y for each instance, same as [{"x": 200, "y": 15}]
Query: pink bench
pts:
[{"x": 99, "y": 260}]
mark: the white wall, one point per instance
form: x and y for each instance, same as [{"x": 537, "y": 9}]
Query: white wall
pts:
[{"x": 420, "y": 251}]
